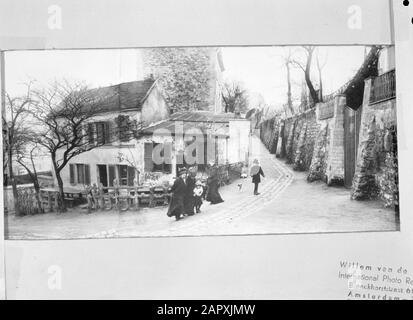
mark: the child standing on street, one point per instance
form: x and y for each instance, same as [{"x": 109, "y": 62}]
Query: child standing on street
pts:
[{"x": 198, "y": 191}]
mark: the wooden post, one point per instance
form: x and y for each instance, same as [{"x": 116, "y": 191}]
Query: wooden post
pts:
[
  {"x": 136, "y": 198},
  {"x": 49, "y": 201},
  {"x": 56, "y": 202}
]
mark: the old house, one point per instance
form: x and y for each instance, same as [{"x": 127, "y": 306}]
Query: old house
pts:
[
  {"x": 199, "y": 138},
  {"x": 115, "y": 128}
]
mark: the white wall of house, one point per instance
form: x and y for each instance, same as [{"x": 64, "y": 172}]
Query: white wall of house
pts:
[
  {"x": 106, "y": 155},
  {"x": 239, "y": 140},
  {"x": 154, "y": 108},
  {"x": 387, "y": 59}
]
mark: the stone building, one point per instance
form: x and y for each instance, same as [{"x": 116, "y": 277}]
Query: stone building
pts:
[{"x": 190, "y": 78}]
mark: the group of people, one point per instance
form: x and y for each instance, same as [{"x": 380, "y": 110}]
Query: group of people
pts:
[{"x": 188, "y": 194}]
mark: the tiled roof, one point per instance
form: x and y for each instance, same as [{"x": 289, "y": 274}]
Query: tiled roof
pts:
[
  {"x": 202, "y": 116},
  {"x": 202, "y": 120},
  {"x": 123, "y": 96}
]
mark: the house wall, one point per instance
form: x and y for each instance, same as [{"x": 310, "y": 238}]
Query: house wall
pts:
[
  {"x": 387, "y": 59},
  {"x": 377, "y": 168},
  {"x": 108, "y": 155},
  {"x": 239, "y": 140},
  {"x": 154, "y": 108}
]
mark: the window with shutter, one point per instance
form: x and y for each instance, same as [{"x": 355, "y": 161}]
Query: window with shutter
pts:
[
  {"x": 72, "y": 173},
  {"x": 80, "y": 173},
  {"x": 87, "y": 174},
  {"x": 91, "y": 133},
  {"x": 123, "y": 129},
  {"x": 148, "y": 157},
  {"x": 107, "y": 132},
  {"x": 100, "y": 132}
]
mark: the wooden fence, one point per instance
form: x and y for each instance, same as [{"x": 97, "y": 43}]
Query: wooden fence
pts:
[
  {"x": 127, "y": 198},
  {"x": 110, "y": 198}
]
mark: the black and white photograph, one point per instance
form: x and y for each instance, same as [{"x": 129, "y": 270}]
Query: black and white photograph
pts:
[{"x": 200, "y": 141}]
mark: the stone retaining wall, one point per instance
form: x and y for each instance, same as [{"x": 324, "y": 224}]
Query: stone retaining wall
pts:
[{"x": 376, "y": 173}]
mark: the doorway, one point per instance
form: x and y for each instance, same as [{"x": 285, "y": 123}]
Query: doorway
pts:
[
  {"x": 103, "y": 174},
  {"x": 352, "y": 121}
]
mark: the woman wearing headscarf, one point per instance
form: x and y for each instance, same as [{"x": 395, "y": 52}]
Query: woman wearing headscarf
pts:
[{"x": 256, "y": 173}]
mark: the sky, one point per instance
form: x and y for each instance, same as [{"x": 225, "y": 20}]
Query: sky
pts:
[{"x": 260, "y": 69}]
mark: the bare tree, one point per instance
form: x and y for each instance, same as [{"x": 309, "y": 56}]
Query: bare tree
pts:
[
  {"x": 63, "y": 111},
  {"x": 320, "y": 67},
  {"x": 235, "y": 97},
  {"x": 288, "y": 60},
  {"x": 306, "y": 67},
  {"x": 14, "y": 118}
]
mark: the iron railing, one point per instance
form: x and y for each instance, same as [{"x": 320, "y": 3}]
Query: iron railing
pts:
[{"x": 383, "y": 87}]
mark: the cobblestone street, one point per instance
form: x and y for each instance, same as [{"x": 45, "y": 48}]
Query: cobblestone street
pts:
[{"x": 287, "y": 204}]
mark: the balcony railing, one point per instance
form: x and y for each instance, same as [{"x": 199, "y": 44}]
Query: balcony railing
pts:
[{"x": 383, "y": 87}]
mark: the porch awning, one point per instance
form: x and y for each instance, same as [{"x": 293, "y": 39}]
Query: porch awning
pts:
[{"x": 206, "y": 122}]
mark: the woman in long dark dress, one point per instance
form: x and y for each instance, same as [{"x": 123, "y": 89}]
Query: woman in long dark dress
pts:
[
  {"x": 189, "y": 200},
  {"x": 213, "y": 195},
  {"x": 176, "y": 206}
]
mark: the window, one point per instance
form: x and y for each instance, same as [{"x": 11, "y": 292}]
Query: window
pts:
[
  {"x": 91, "y": 133},
  {"x": 124, "y": 128},
  {"x": 112, "y": 175},
  {"x": 72, "y": 173},
  {"x": 123, "y": 175},
  {"x": 101, "y": 133},
  {"x": 98, "y": 133},
  {"x": 79, "y": 173}
]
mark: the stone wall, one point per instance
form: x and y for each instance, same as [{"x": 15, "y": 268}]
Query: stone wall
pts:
[
  {"x": 377, "y": 166},
  {"x": 312, "y": 141},
  {"x": 189, "y": 77},
  {"x": 319, "y": 163},
  {"x": 269, "y": 133},
  {"x": 300, "y": 134}
]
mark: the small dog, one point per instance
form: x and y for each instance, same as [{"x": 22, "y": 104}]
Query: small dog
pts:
[{"x": 244, "y": 175}]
